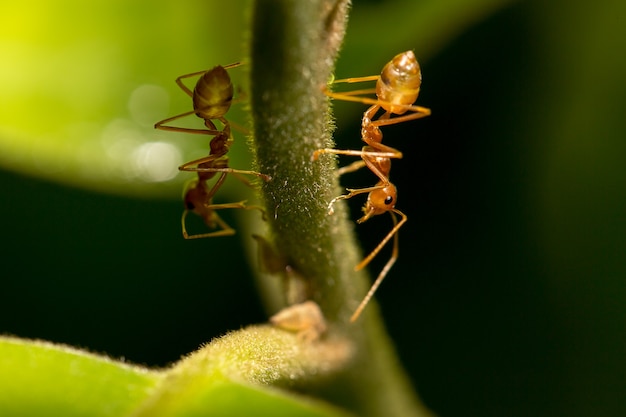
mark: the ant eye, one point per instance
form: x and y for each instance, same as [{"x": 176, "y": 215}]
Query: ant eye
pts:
[{"x": 388, "y": 200}]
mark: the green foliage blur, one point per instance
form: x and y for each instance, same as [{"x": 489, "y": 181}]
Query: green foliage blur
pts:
[{"x": 509, "y": 295}]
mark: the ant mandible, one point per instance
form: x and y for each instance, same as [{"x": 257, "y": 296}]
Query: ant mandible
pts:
[
  {"x": 212, "y": 98},
  {"x": 397, "y": 88}
]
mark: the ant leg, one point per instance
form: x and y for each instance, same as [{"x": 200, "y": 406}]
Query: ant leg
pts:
[
  {"x": 188, "y": 167},
  {"x": 348, "y": 95},
  {"x": 356, "y": 79},
  {"x": 237, "y": 205},
  {"x": 388, "y": 265},
  {"x": 233, "y": 65},
  {"x": 372, "y": 255},
  {"x": 355, "y": 166},
  {"x": 179, "y": 81},
  {"x": 418, "y": 113},
  {"x": 218, "y": 184},
  {"x": 380, "y": 149},
  {"x": 354, "y": 96},
  {"x": 392, "y": 153},
  {"x": 191, "y": 166},
  {"x": 162, "y": 126},
  {"x": 237, "y": 174},
  {"x": 351, "y": 193},
  {"x": 225, "y": 229},
  {"x": 240, "y": 204}
]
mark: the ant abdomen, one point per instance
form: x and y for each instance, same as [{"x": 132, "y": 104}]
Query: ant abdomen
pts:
[
  {"x": 399, "y": 83},
  {"x": 213, "y": 94}
]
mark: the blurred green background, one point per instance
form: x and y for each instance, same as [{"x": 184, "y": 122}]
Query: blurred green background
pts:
[{"x": 509, "y": 295}]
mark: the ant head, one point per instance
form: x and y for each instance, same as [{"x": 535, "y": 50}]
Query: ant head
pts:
[
  {"x": 196, "y": 198},
  {"x": 194, "y": 194},
  {"x": 379, "y": 201}
]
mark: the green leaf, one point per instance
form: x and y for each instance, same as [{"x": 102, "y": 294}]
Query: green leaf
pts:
[
  {"x": 228, "y": 377},
  {"x": 38, "y": 378}
]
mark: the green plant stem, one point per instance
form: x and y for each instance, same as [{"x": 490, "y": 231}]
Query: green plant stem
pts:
[
  {"x": 235, "y": 365},
  {"x": 294, "y": 45}
]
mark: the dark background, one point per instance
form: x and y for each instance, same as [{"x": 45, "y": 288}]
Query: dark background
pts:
[{"x": 508, "y": 297}]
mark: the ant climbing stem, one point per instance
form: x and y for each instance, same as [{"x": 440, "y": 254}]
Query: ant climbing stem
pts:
[
  {"x": 212, "y": 97},
  {"x": 397, "y": 88},
  {"x": 381, "y": 198}
]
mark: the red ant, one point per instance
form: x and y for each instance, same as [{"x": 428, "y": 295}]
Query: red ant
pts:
[
  {"x": 212, "y": 98},
  {"x": 397, "y": 88}
]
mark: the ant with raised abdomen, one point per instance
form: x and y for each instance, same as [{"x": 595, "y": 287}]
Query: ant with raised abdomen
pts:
[
  {"x": 397, "y": 88},
  {"x": 212, "y": 98}
]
